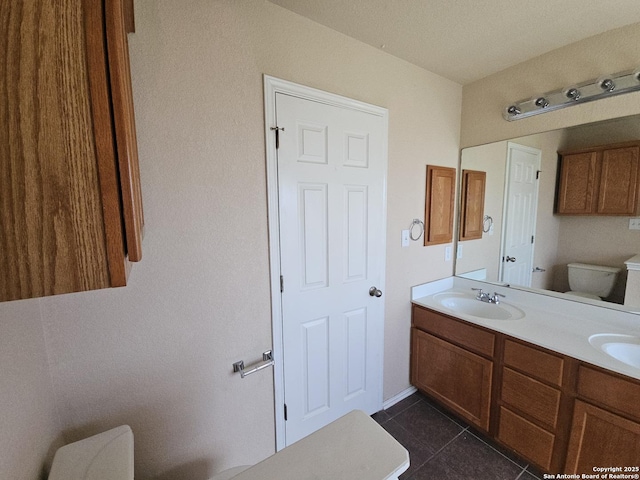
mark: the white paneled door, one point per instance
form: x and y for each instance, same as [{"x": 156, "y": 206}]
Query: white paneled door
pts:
[
  {"x": 331, "y": 193},
  {"x": 523, "y": 165}
]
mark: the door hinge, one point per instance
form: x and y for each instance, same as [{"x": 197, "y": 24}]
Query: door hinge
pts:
[
  {"x": 532, "y": 237},
  {"x": 277, "y": 130},
  {"x": 281, "y": 284},
  {"x": 285, "y": 412},
  {"x": 538, "y": 174}
]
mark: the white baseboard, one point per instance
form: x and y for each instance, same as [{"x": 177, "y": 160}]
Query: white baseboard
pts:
[{"x": 400, "y": 396}]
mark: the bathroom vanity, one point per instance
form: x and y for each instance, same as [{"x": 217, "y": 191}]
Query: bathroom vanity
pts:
[{"x": 532, "y": 372}]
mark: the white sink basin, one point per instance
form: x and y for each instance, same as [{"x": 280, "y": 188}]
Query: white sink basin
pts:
[
  {"x": 467, "y": 304},
  {"x": 624, "y": 348}
]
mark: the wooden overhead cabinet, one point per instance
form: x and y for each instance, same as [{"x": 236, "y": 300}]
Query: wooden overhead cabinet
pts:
[
  {"x": 70, "y": 202},
  {"x": 600, "y": 181},
  {"x": 439, "y": 203}
]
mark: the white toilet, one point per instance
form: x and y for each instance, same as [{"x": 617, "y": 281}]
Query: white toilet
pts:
[
  {"x": 591, "y": 281},
  {"x": 106, "y": 456}
]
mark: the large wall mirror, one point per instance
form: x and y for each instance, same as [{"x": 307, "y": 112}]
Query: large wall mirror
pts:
[{"x": 557, "y": 240}]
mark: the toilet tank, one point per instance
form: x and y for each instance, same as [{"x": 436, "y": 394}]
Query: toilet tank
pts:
[
  {"x": 595, "y": 279},
  {"x": 106, "y": 456}
]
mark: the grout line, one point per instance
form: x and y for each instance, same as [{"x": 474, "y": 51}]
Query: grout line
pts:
[
  {"x": 519, "y": 477},
  {"x": 498, "y": 451},
  {"x": 440, "y": 449}
]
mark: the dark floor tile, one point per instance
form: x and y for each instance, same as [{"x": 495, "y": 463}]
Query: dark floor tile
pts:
[
  {"x": 445, "y": 411},
  {"x": 428, "y": 425},
  {"x": 533, "y": 473},
  {"x": 404, "y": 404},
  {"x": 468, "y": 458},
  {"x": 419, "y": 453},
  {"x": 381, "y": 417},
  {"x": 527, "y": 475},
  {"x": 511, "y": 455}
]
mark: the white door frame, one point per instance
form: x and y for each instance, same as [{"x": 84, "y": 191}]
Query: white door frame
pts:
[{"x": 272, "y": 86}]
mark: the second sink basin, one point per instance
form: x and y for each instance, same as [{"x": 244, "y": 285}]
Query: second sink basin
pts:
[
  {"x": 467, "y": 304},
  {"x": 624, "y": 348}
]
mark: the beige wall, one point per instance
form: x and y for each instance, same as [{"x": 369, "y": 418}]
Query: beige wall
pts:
[
  {"x": 158, "y": 354},
  {"x": 492, "y": 158},
  {"x": 608, "y": 53},
  {"x": 485, "y": 252},
  {"x": 29, "y": 425}
]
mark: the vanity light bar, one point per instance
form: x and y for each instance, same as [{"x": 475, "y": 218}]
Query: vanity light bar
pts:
[{"x": 603, "y": 87}]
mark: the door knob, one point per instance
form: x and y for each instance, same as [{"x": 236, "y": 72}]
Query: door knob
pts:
[
  {"x": 374, "y": 292},
  {"x": 509, "y": 259}
]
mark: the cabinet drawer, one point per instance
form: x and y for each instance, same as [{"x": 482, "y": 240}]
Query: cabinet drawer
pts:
[
  {"x": 532, "y": 397},
  {"x": 615, "y": 392},
  {"x": 468, "y": 336},
  {"x": 541, "y": 365},
  {"x": 528, "y": 439}
]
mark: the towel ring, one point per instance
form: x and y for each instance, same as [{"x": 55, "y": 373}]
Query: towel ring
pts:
[
  {"x": 415, "y": 222},
  {"x": 487, "y": 223}
]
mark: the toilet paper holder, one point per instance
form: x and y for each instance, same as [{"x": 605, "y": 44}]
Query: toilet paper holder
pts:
[{"x": 267, "y": 361}]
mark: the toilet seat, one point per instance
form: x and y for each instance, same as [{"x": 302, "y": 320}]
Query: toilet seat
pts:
[{"x": 590, "y": 296}]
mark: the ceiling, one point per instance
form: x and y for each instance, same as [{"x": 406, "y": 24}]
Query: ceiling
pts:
[{"x": 465, "y": 40}]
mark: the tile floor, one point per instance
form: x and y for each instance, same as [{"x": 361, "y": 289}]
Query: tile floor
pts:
[{"x": 442, "y": 447}]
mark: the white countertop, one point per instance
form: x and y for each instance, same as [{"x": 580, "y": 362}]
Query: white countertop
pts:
[
  {"x": 353, "y": 447},
  {"x": 551, "y": 322}
]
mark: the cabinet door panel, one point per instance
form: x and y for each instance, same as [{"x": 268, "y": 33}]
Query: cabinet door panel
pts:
[
  {"x": 577, "y": 183},
  {"x": 618, "y": 193},
  {"x": 534, "y": 398},
  {"x": 439, "y": 203},
  {"x": 600, "y": 438},
  {"x": 472, "y": 205},
  {"x": 456, "y": 377},
  {"x": 51, "y": 235},
  {"x": 528, "y": 439}
]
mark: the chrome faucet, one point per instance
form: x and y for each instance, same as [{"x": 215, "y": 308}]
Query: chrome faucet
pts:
[{"x": 488, "y": 298}]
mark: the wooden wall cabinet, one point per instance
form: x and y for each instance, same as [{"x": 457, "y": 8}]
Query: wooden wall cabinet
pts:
[
  {"x": 70, "y": 202},
  {"x": 472, "y": 205},
  {"x": 439, "y": 205},
  {"x": 600, "y": 181}
]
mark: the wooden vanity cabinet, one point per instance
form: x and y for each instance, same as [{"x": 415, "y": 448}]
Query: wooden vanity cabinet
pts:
[
  {"x": 70, "y": 202},
  {"x": 600, "y": 181},
  {"x": 561, "y": 414},
  {"x": 452, "y": 362},
  {"x": 605, "y": 429},
  {"x": 530, "y": 401}
]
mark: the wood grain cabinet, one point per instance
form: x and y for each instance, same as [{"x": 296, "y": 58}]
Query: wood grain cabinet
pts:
[
  {"x": 472, "y": 204},
  {"x": 600, "y": 181},
  {"x": 453, "y": 374},
  {"x": 439, "y": 205},
  {"x": 70, "y": 202},
  {"x": 529, "y": 402},
  {"x": 563, "y": 415},
  {"x": 605, "y": 430}
]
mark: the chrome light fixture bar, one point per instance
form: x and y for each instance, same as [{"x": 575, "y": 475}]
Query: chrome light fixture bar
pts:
[{"x": 603, "y": 87}]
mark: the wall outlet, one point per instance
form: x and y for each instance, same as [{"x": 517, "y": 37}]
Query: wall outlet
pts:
[
  {"x": 405, "y": 238},
  {"x": 634, "y": 224},
  {"x": 447, "y": 253},
  {"x": 459, "y": 251}
]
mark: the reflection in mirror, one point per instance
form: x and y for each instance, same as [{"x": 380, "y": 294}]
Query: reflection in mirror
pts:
[{"x": 554, "y": 240}]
